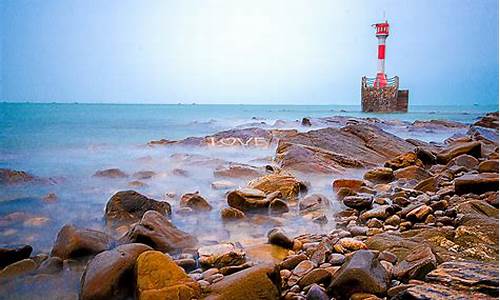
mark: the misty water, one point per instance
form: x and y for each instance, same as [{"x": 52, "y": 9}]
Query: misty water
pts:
[{"x": 68, "y": 143}]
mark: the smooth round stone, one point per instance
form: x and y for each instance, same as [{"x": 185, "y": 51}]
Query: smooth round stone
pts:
[
  {"x": 303, "y": 268},
  {"x": 336, "y": 259}
]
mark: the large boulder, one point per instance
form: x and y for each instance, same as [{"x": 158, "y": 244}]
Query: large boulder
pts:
[
  {"x": 248, "y": 199},
  {"x": 159, "y": 277},
  {"x": 157, "y": 231},
  {"x": 476, "y": 183},
  {"x": 333, "y": 150},
  {"x": 471, "y": 148},
  {"x": 428, "y": 291},
  {"x": 286, "y": 184},
  {"x": 11, "y": 253},
  {"x": 361, "y": 272},
  {"x": 258, "y": 282},
  {"x": 221, "y": 255},
  {"x": 127, "y": 207},
  {"x": 73, "y": 242},
  {"x": 110, "y": 275},
  {"x": 417, "y": 264}
]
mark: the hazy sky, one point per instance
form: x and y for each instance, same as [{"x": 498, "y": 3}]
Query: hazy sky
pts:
[{"x": 261, "y": 52}]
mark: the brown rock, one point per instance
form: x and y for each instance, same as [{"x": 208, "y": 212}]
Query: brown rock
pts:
[
  {"x": 239, "y": 171},
  {"x": 195, "y": 202},
  {"x": 427, "y": 185},
  {"x": 72, "y": 242},
  {"x": 19, "y": 268},
  {"x": 379, "y": 175},
  {"x": 488, "y": 166},
  {"x": 476, "y": 183},
  {"x": 467, "y": 161},
  {"x": 111, "y": 173},
  {"x": 12, "y": 253},
  {"x": 8, "y": 176},
  {"x": 358, "y": 202},
  {"x": 315, "y": 276},
  {"x": 353, "y": 184},
  {"x": 403, "y": 161},
  {"x": 428, "y": 291},
  {"x": 277, "y": 237},
  {"x": 231, "y": 214},
  {"x": 471, "y": 148},
  {"x": 127, "y": 207},
  {"x": 278, "y": 207},
  {"x": 158, "y": 232},
  {"x": 159, "y": 277},
  {"x": 313, "y": 202},
  {"x": 419, "y": 213},
  {"x": 416, "y": 264},
  {"x": 221, "y": 255},
  {"x": 110, "y": 274},
  {"x": 412, "y": 172},
  {"x": 285, "y": 183},
  {"x": 248, "y": 199},
  {"x": 144, "y": 174}
]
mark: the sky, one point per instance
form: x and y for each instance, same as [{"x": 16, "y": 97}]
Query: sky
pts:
[{"x": 251, "y": 52}]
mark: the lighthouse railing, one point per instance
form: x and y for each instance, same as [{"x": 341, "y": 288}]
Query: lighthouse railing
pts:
[
  {"x": 388, "y": 92},
  {"x": 367, "y": 82}
]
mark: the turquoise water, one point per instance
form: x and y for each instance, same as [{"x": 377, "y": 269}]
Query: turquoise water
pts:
[{"x": 69, "y": 142}]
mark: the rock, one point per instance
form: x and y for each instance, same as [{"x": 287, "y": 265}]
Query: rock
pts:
[
  {"x": 321, "y": 219},
  {"x": 239, "y": 171},
  {"x": 393, "y": 220},
  {"x": 111, "y": 173},
  {"x": 379, "y": 175},
  {"x": 464, "y": 160},
  {"x": 427, "y": 185},
  {"x": 278, "y": 207},
  {"x": 476, "y": 183},
  {"x": 18, "y": 268},
  {"x": 223, "y": 185},
  {"x": 8, "y": 176},
  {"x": 374, "y": 223},
  {"x": 356, "y": 230},
  {"x": 353, "y": 184},
  {"x": 73, "y": 242},
  {"x": 403, "y": 161},
  {"x": 144, "y": 174},
  {"x": 426, "y": 156},
  {"x": 416, "y": 264},
  {"x": 306, "y": 122},
  {"x": 128, "y": 207},
  {"x": 248, "y": 199},
  {"x": 315, "y": 292},
  {"x": 277, "y": 237},
  {"x": 336, "y": 259},
  {"x": 412, "y": 172},
  {"x": 333, "y": 150},
  {"x": 11, "y": 253},
  {"x": 380, "y": 212},
  {"x": 51, "y": 265},
  {"x": 188, "y": 264},
  {"x": 349, "y": 244},
  {"x": 477, "y": 207},
  {"x": 358, "y": 202},
  {"x": 303, "y": 268},
  {"x": 258, "y": 282},
  {"x": 158, "y": 277},
  {"x": 471, "y": 148},
  {"x": 315, "y": 276},
  {"x": 361, "y": 272},
  {"x": 313, "y": 202},
  {"x": 428, "y": 291},
  {"x": 228, "y": 270},
  {"x": 467, "y": 275},
  {"x": 229, "y": 214},
  {"x": 488, "y": 166},
  {"x": 196, "y": 202},
  {"x": 419, "y": 213},
  {"x": 110, "y": 273},
  {"x": 288, "y": 185},
  {"x": 50, "y": 198},
  {"x": 221, "y": 255},
  {"x": 157, "y": 231},
  {"x": 292, "y": 261}
]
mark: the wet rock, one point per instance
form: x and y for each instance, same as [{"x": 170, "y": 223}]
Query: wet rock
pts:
[
  {"x": 313, "y": 202},
  {"x": 278, "y": 207},
  {"x": 277, "y": 237},
  {"x": 393, "y": 220},
  {"x": 157, "y": 231},
  {"x": 357, "y": 230},
  {"x": 490, "y": 120},
  {"x": 478, "y": 207},
  {"x": 8, "y": 176},
  {"x": 303, "y": 268},
  {"x": 239, "y": 171},
  {"x": 426, "y": 156},
  {"x": 51, "y": 265},
  {"x": 285, "y": 183},
  {"x": 111, "y": 173},
  {"x": 321, "y": 219},
  {"x": 306, "y": 122},
  {"x": 358, "y": 202},
  {"x": 353, "y": 184},
  {"x": 221, "y": 255},
  {"x": 471, "y": 148},
  {"x": 380, "y": 212},
  {"x": 361, "y": 272},
  {"x": 419, "y": 213},
  {"x": 229, "y": 214},
  {"x": 110, "y": 274},
  {"x": 467, "y": 275},
  {"x": 476, "y": 183},
  {"x": 228, "y": 270},
  {"x": 315, "y": 276},
  {"x": 403, "y": 161},
  {"x": 412, "y": 172},
  {"x": 158, "y": 277},
  {"x": 144, "y": 174},
  {"x": 346, "y": 244},
  {"x": 258, "y": 282},
  {"x": 379, "y": 175},
  {"x": 127, "y": 207},
  {"x": 73, "y": 242},
  {"x": 196, "y": 202},
  {"x": 315, "y": 292},
  {"x": 292, "y": 261},
  {"x": 50, "y": 198},
  {"x": 464, "y": 160},
  {"x": 416, "y": 264},
  {"x": 18, "y": 268},
  {"x": 427, "y": 185},
  {"x": 488, "y": 166},
  {"x": 336, "y": 259},
  {"x": 223, "y": 185},
  {"x": 11, "y": 253},
  {"x": 248, "y": 199}
]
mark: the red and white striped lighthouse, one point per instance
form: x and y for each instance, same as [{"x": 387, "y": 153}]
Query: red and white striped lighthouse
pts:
[{"x": 382, "y": 33}]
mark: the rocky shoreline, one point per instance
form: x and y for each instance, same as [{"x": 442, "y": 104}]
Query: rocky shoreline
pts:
[{"x": 420, "y": 223}]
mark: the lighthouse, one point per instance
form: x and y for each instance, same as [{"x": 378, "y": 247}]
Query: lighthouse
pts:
[
  {"x": 382, "y": 32},
  {"x": 382, "y": 94}
]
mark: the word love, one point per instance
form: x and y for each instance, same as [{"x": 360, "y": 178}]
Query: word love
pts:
[{"x": 259, "y": 142}]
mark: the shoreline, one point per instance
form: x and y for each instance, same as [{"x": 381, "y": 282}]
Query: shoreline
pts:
[{"x": 406, "y": 179}]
